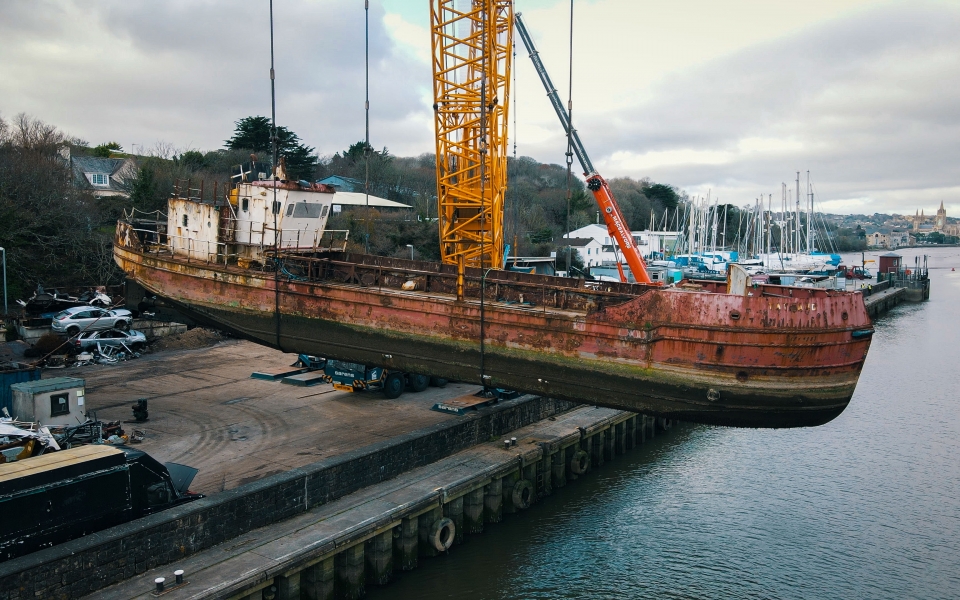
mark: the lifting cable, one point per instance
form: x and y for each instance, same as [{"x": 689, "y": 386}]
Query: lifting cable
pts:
[
  {"x": 366, "y": 143},
  {"x": 516, "y": 201},
  {"x": 569, "y": 139},
  {"x": 274, "y": 209},
  {"x": 482, "y": 141}
]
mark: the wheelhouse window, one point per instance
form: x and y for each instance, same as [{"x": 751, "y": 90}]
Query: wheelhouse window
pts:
[
  {"x": 245, "y": 204},
  {"x": 304, "y": 210},
  {"x": 186, "y": 219}
]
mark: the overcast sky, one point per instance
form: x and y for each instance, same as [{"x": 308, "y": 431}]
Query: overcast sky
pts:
[{"x": 732, "y": 97}]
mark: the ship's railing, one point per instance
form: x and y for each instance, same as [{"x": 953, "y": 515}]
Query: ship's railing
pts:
[
  {"x": 156, "y": 242},
  {"x": 537, "y": 292},
  {"x": 310, "y": 240}
]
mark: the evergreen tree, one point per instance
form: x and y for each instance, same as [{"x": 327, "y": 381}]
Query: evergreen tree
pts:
[
  {"x": 253, "y": 134},
  {"x": 105, "y": 150}
]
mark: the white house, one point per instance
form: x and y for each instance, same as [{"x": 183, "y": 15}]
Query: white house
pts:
[
  {"x": 104, "y": 176},
  {"x": 588, "y": 249},
  {"x": 601, "y": 251}
]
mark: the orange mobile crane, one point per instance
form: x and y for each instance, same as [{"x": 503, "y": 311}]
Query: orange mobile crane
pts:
[
  {"x": 472, "y": 51},
  {"x": 616, "y": 224}
]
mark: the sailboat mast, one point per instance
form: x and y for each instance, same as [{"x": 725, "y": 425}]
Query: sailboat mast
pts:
[
  {"x": 809, "y": 216},
  {"x": 783, "y": 215},
  {"x": 769, "y": 215},
  {"x": 724, "y": 226},
  {"x": 799, "y": 224}
]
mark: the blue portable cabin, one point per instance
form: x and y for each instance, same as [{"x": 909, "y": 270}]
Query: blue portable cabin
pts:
[{"x": 17, "y": 373}]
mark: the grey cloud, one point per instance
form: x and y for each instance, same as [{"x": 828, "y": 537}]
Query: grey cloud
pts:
[
  {"x": 874, "y": 98},
  {"x": 184, "y": 71}
]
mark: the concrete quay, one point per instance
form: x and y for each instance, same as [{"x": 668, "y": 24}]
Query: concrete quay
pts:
[
  {"x": 884, "y": 300},
  {"x": 88, "y": 564},
  {"x": 336, "y": 549}
]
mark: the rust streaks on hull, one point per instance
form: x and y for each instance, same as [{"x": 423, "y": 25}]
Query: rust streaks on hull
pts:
[{"x": 760, "y": 360}]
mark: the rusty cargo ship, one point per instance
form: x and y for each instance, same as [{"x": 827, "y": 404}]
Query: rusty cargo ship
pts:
[{"x": 260, "y": 262}]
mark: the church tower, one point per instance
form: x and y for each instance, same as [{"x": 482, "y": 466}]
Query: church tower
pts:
[{"x": 941, "y": 220}]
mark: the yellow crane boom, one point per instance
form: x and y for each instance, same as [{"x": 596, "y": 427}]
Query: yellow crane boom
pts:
[{"x": 472, "y": 52}]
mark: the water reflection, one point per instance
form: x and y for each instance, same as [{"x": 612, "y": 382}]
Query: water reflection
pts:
[{"x": 867, "y": 506}]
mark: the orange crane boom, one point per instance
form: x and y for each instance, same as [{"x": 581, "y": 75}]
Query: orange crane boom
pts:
[{"x": 616, "y": 224}]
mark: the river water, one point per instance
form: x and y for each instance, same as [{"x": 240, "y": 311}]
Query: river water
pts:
[{"x": 867, "y": 506}]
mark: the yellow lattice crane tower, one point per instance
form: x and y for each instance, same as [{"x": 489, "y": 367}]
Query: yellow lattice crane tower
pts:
[{"x": 472, "y": 51}]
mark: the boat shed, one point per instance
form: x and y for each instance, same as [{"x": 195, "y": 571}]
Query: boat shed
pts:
[
  {"x": 57, "y": 401},
  {"x": 890, "y": 262}
]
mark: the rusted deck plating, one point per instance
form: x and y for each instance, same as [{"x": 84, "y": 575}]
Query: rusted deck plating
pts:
[{"x": 777, "y": 357}]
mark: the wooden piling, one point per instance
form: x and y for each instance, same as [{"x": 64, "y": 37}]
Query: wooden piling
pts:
[
  {"x": 473, "y": 511},
  {"x": 493, "y": 501},
  {"x": 288, "y": 586},
  {"x": 453, "y": 510},
  {"x": 558, "y": 467},
  {"x": 349, "y": 567},
  {"x": 317, "y": 581},
  {"x": 425, "y": 523},
  {"x": 509, "y": 481},
  {"x": 405, "y": 551},
  {"x": 378, "y": 554}
]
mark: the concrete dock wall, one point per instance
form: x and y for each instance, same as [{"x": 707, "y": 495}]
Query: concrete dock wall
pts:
[
  {"x": 882, "y": 301},
  {"x": 340, "y": 549},
  {"x": 84, "y": 565}
]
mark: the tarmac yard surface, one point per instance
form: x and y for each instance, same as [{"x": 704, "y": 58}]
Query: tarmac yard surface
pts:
[{"x": 207, "y": 412}]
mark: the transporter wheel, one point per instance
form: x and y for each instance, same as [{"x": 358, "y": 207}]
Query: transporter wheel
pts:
[
  {"x": 393, "y": 385},
  {"x": 123, "y": 325},
  {"x": 418, "y": 383},
  {"x": 438, "y": 382},
  {"x": 73, "y": 330}
]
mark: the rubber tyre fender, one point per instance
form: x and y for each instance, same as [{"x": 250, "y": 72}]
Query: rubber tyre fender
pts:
[
  {"x": 442, "y": 533},
  {"x": 418, "y": 383},
  {"x": 579, "y": 462},
  {"x": 393, "y": 385},
  {"x": 522, "y": 494},
  {"x": 438, "y": 382}
]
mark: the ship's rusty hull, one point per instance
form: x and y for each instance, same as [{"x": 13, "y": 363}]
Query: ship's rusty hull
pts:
[{"x": 783, "y": 357}]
